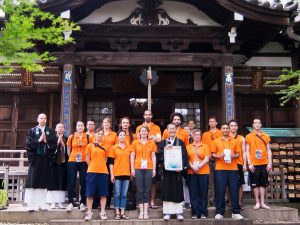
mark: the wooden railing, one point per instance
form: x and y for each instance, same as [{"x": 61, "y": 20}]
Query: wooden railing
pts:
[{"x": 14, "y": 176}]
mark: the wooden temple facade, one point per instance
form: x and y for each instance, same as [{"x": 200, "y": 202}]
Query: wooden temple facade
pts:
[{"x": 208, "y": 58}]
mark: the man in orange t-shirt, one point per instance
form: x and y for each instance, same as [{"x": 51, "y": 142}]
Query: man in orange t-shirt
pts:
[
  {"x": 90, "y": 128},
  {"x": 259, "y": 158},
  {"x": 155, "y": 135},
  {"x": 226, "y": 151},
  {"x": 241, "y": 161},
  {"x": 182, "y": 134},
  {"x": 207, "y": 138}
]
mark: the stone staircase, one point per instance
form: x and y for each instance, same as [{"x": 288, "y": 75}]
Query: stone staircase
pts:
[{"x": 277, "y": 215}]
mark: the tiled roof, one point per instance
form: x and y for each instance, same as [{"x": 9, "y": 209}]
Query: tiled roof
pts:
[{"x": 286, "y": 5}]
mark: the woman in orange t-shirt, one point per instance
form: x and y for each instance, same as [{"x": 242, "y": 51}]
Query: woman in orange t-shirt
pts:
[
  {"x": 76, "y": 146},
  {"x": 109, "y": 139},
  {"x": 97, "y": 175},
  {"x": 119, "y": 162},
  {"x": 198, "y": 175},
  {"x": 143, "y": 163}
]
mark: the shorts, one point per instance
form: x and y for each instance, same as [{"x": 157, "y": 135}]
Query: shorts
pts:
[
  {"x": 260, "y": 176},
  {"x": 241, "y": 175},
  {"x": 96, "y": 184}
]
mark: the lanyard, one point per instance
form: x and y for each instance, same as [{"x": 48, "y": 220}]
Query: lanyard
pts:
[
  {"x": 224, "y": 147},
  {"x": 196, "y": 152}
]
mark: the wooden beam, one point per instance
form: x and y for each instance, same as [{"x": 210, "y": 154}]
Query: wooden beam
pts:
[
  {"x": 211, "y": 78},
  {"x": 145, "y": 59}
]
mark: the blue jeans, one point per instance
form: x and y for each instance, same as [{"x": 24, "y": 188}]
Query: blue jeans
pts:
[
  {"x": 198, "y": 188},
  {"x": 226, "y": 178},
  {"x": 120, "y": 193},
  {"x": 73, "y": 167}
]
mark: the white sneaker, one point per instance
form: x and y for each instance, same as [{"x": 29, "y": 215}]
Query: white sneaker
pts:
[
  {"x": 52, "y": 206},
  {"x": 203, "y": 217},
  {"x": 219, "y": 217},
  {"x": 44, "y": 207},
  {"x": 69, "y": 207},
  {"x": 31, "y": 209},
  {"x": 82, "y": 207},
  {"x": 88, "y": 216},
  {"x": 179, "y": 217},
  {"x": 237, "y": 216},
  {"x": 61, "y": 206},
  {"x": 167, "y": 217}
]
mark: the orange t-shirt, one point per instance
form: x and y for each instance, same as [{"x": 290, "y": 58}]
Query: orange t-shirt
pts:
[
  {"x": 143, "y": 152},
  {"x": 258, "y": 148},
  {"x": 239, "y": 139},
  {"x": 181, "y": 134},
  {"x": 121, "y": 160},
  {"x": 218, "y": 147},
  {"x": 154, "y": 129},
  {"x": 208, "y": 137},
  {"x": 78, "y": 146},
  {"x": 127, "y": 138},
  {"x": 91, "y": 135},
  {"x": 110, "y": 139},
  {"x": 97, "y": 156},
  {"x": 202, "y": 151}
]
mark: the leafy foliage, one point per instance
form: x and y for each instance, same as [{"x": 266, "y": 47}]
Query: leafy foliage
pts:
[
  {"x": 292, "y": 91},
  {"x": 25, "y": 25}
]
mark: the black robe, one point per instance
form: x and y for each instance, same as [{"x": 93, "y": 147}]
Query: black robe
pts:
[
  {"x": 58, "y": 169},
  {"x": 39, "y": 155},
  {"x": 172, "y": 186}
]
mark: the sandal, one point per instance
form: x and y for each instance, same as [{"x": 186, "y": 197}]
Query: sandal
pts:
[
  {"x": 153, "y": 206},
  {"x": 103, "y": 216},
  {"x": 117, "y": 217},
  {"x": 146, "y": 217},
  {"x": 124, "y": 217},
  {"x": 141, "y": 217}
]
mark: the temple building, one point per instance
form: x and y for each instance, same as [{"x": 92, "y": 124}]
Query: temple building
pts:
[{"x": 207, "y": 58}]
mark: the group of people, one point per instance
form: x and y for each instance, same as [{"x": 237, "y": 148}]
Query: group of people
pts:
[{"x": 209, "y": 164}]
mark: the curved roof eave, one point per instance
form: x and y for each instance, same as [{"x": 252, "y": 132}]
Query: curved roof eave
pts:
[{"x": 255, "y": 12}]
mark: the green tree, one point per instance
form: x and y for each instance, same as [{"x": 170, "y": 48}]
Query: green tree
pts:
[
  {"x": 26, "y": 25},
  {"x": 293, "y": 90}
]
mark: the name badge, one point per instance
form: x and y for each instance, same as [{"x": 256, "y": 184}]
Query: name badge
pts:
[
  {"x": 227, "y": 157},
  {"x": 144, "y": 164},
  {"x": 78, "y": 157},
  {"x": 258, "y": 153}
]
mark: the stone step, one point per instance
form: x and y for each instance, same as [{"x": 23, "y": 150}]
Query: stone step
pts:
[
  {"x": 154, "y": 222},
  {"x": 19, "y": 214}
]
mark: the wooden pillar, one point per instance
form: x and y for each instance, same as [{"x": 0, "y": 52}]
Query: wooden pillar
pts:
[
  {"x": 68, "y": 91},
  {"x": 51, "y": 110},
  {"x": 14, "y": 124},
  {"x": 227, "y": 81}
]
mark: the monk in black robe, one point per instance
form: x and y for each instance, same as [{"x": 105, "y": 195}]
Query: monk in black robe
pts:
[
  {"x": 172, "y": 186},
  {"x": 40, "y": 144},
  {"x": 58, "y": 171}
]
